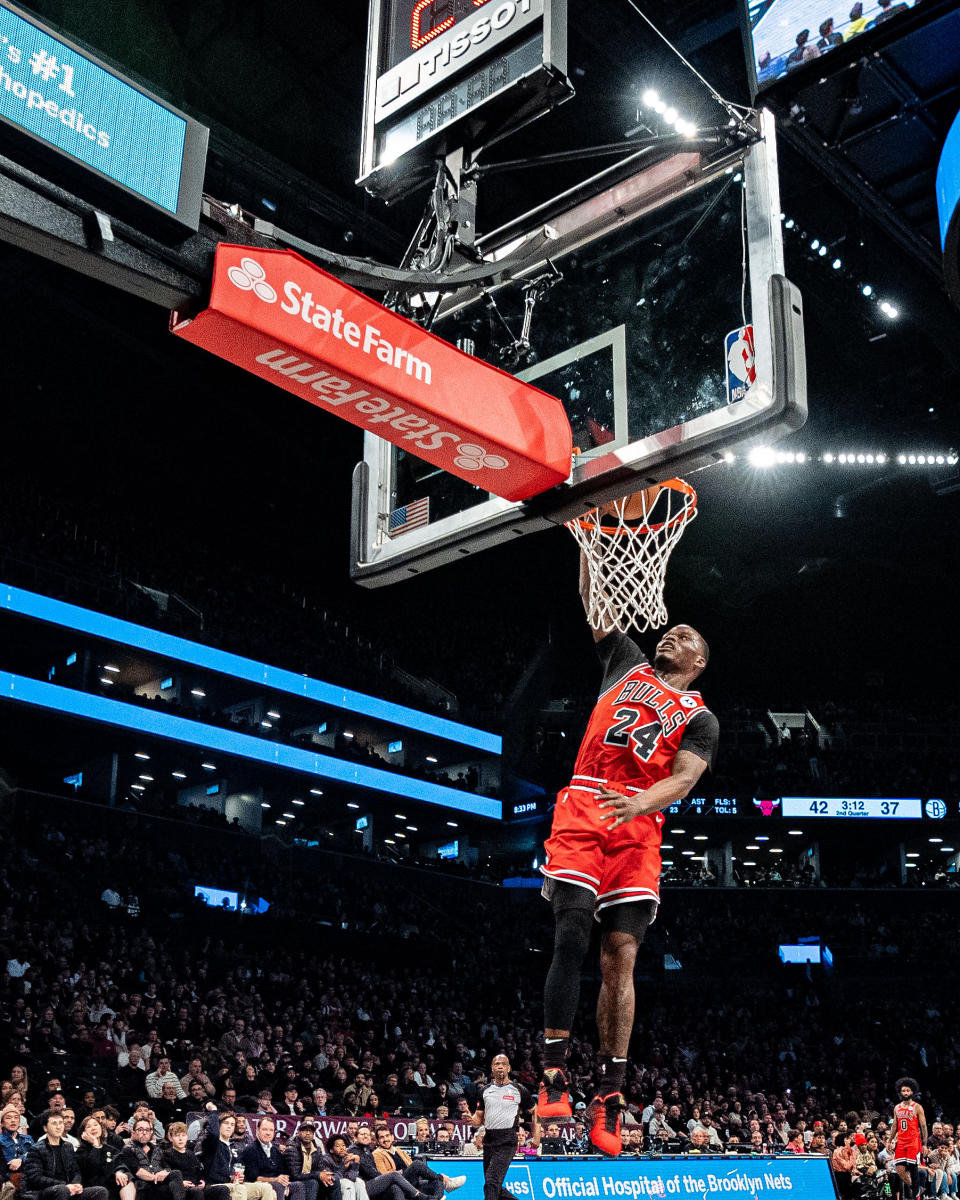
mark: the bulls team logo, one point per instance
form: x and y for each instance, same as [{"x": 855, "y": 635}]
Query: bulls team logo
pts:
[{"x": 766, "y": 806}]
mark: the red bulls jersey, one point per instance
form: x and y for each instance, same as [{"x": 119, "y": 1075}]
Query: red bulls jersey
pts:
[
  {"x": 638, "y": 724},
  {"x": 907, "y": 1125}
]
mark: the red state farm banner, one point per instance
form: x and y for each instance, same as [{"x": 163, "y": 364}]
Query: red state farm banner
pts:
[{"x": 278, "y": 316}]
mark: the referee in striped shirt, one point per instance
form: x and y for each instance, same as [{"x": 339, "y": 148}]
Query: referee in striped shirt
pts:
[{"x": 501, "y": 1106}]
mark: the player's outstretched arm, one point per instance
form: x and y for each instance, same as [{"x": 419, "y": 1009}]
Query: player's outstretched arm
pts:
[
  {"x": 599, "y": 633},
  {"x": 687, "y": 769}
]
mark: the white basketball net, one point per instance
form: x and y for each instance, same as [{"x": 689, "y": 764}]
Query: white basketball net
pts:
[{"x": 627, "y": 561}]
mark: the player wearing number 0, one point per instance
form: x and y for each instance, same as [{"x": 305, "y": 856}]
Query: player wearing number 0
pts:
[
  {"x": 648, "y": 741},
  {"x": 909, "y": 1136}
]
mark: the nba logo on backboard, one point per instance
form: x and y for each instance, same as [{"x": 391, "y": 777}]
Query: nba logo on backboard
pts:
[{"x": 741, "y": 362}]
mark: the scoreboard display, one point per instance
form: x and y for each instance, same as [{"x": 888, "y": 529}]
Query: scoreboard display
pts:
[{"x": 446, "y": 74}]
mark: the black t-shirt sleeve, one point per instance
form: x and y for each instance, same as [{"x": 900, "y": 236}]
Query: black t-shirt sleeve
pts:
[
  {"x": 480, "y": 1102},
  {"x": 618, "y": 654},
  {"x": 526, "y": 1100},
  {"x": 702, "y": 736}
]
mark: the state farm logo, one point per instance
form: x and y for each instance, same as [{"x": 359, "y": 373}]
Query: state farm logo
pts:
[
  {"x": 251, "y": 277},
  {"x": 475, "y": 458}
]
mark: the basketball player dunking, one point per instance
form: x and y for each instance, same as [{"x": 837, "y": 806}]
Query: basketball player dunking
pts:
[
  {"x": 909, "y": 1136},
  {"x": 648, "y": 741}
]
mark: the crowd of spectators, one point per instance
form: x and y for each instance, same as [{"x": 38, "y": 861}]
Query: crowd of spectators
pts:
[{"x": 383, "y": 988}]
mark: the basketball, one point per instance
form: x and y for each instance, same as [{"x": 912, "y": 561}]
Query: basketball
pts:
[{"x": 635, "y": 507}]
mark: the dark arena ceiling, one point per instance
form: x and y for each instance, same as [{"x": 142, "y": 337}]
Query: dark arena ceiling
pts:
[{"x": 790, "y": 567}]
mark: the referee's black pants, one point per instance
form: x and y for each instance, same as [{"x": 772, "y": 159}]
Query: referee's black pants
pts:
[{"x": 497, "y": 1156}]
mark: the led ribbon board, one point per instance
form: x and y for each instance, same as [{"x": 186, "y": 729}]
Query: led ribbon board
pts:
[
  {"x": 104, "y": 135},
  {"x": 709, "y": 1177},
  {"x": 948, "y": 207},
  {"x": 278, "y": 316},
  {"x": 448, "y": 73}
]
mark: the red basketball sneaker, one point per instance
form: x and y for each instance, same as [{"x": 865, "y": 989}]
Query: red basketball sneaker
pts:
[
  {"x": 605, "y": 1123},
  {"x": 553, "y": 1098}
]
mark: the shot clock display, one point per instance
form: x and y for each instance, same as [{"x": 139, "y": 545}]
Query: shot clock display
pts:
[{"x": 444, "y": 74}]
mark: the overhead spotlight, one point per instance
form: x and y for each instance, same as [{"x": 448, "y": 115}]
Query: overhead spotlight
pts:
[
  {"x": 300, "y": 802},
  {"x": 660, "y": 106},
  {"x": 649, "y": 98},
  {"x": 141, "y": 754},
  {"x": 178, "y": 774},
  {"x": 670, "y": 115},
  {"x": 843, "y": 458},
  {"x": 869, "y": 458},
  {"x": 881, "y": 458},
  {"x": 912, "y": 460},
  {"x": 815, "y": 244},
  {"x": 922, "y": 460},
  {"x": 901, "y": 459},
  {"x": 762, "y": 457},
  {"x": 789, "y": 223},
  {"x": 828, "y": 458},
  {"x": 729, "y": 456},
  {"x": 836, "y": 264},
  {"x": 198, "y": 692},
  {"x": 822, "y": 251},
  {"x": 940, "y": 460},
  {"x": 887, "y": 308},
  {"x": 866, "y": 290},
  {"x": 738, "y": 177},
  {"x": 861, "y": 458},
  {"x": 801, "y": 457}
]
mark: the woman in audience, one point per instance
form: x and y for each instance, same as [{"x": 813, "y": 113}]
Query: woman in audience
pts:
[{"x": 99, "y": 1162}]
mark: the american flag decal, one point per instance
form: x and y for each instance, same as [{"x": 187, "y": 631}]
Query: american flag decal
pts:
[{"x": 409, "y": 516}]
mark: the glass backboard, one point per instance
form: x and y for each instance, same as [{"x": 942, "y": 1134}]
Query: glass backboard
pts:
[{"x": 672, "y": 337}]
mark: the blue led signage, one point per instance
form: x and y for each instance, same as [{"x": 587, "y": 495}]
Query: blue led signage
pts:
[
  {"x": 801, "y": 1176},
  {"x": 64, "y": 700},
  {"x": 61, "y": 95},
  {"x": 177, "y": 649}
]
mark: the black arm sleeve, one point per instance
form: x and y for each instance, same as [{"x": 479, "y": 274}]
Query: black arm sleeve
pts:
[
  {"x": 702, "y": 736},
  {"x": 618, "y": 654}
]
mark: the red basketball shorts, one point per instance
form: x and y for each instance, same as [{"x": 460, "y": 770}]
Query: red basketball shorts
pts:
[{"x": 618, "y": 866}]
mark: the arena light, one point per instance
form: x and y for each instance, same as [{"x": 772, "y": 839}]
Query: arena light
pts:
[
  {"x": 836, "y": 264},
  {"x": 400, "y": 816},
  {"x": 666, "y": 846},
  {"x": 146, "y": 778},
  {"x": 678, "y": 832},
  {"x": 272, "y": 712},
  {"x": 316, "y": 791},
  {"x": 700, "y": 837},
  {"x": 105, "y": 679},
  {"x": 649, "y": 98},
  {"x": 301, "y": 803},
  {"x": 752, "y": 846},
  {"x": 142, "y": 754},
  {"x": 112, "y": 669},
  {"x": 815, "y": 244},
  {"x": 178, "y": 774},
  {"x": 199, "y": 692},
  {"x": 350, "y": 804},
  {"x": 413, "y": 828},
  {"x": 774, "y": 850},
  {"x": 762, "y": 837},
  {"x": 389, "y": 842},
  {"x": 889, "y": 309},
  {"x": 264, "y": 804},
  {"x": 913, "y": 854},
  {"x": 453, "y": 824},
  {"x": 762, "y": 457},
  {"x": 431, "y": 758},
  {"x": 946, "y": 850},
  {"x": 399, "y": 834},
  {"x": 909, "y": 865},
  {"x": 209, "y": 766},
  {"x": 290, "y": 816},
  {"x": 935, "y": 841},
  {"x": 866, "y": 290},
  {"x": 266, "y": 724},
  {"x": 794, "y": 833},
  {"x": 822, "y": 252},
  {"x": 789, "y": 223},
  {"x": 687, "y": 853},
  {"x": 828, "y": 458},
  {"x": 749, "y": 863},
  {"x": 347, "y": 733},
  {"x": 279, "y": 821},
  {"x": 137, "y": 787}
]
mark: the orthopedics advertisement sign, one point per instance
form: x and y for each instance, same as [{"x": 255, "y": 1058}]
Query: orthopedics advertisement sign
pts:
[
  {"x": 278, "y": 316},
  {"x": 802, "y": 1177}
]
